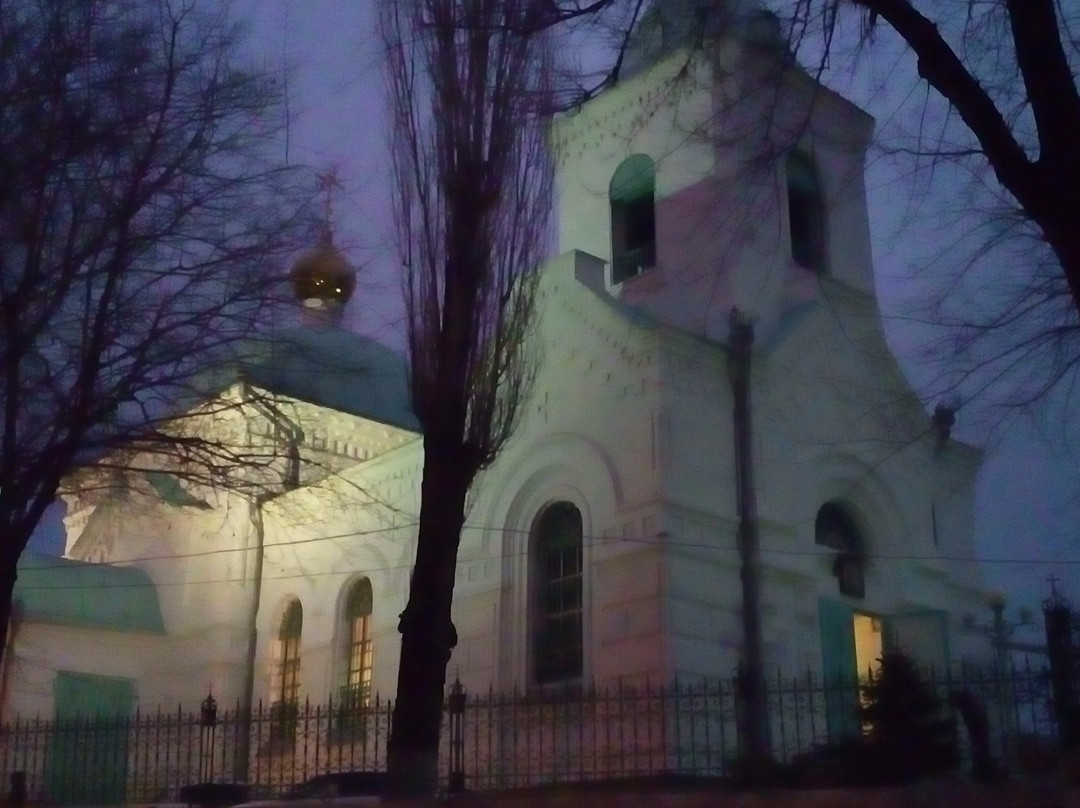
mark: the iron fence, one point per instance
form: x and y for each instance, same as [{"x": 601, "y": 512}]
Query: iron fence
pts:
[
  {"x": 506, "y": 740},
  {"x": 692, "y": 728}
]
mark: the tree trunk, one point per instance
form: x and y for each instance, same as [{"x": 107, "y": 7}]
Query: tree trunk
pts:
[
  {"x": 427, "y": 633},
  {"x": 8, "y": 574},
  {"x": 16, "y": 527}
]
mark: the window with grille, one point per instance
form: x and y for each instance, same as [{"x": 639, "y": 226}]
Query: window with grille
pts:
[
  {"x": 557, "y": 594},
  {"x": 359, "y": 648},
  {"x": 292, "y": 626},
  {"x": 285, "y": 685}
]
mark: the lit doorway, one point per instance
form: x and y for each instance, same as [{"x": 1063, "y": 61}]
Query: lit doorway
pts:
[
  {"x": 851, "y": 646},
  {"x": 868, "y": 644}
]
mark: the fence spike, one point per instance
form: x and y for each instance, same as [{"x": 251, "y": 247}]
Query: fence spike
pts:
[{"x": 628, "y": 730}]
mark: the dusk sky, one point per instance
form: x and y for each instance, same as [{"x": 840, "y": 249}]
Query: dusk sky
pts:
[{"x": 1028, "y": 507}]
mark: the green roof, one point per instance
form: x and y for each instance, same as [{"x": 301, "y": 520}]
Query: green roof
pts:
[
  {"x": 60, "y": 590},
  {"x": 334, "y": 368},
  {"x": 170, "y": 490}
]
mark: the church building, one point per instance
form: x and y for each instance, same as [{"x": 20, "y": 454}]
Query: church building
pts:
[{"x": 715, "y": 184}]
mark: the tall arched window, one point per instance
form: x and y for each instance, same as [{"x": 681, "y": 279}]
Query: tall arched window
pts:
[
  {"x": 358, "y": 649},
  {"x": 557, "y": 594},
  {"x": 633, "y": 218},
  {"x": 806, "y": 212},
  {"x": 834, "y": 528},
  {"x": 287, "y": 686}
]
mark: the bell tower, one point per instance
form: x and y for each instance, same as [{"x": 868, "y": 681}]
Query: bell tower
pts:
[{"x": 716, "y": 173}]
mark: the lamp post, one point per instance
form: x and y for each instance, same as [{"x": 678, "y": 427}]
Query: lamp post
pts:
[
  {"x": 1000, "y": 630},
  {"x": 1000, "y": 633}
]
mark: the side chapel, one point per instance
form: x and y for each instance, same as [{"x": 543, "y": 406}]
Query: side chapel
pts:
[{"x": 601, "y": 546}]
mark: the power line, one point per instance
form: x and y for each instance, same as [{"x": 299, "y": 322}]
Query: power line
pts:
[{"x": 660, "y": 539}]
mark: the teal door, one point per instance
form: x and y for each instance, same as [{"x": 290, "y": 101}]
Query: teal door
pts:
[
  {"x": 838, "y": 668},
  {"x": 922, "y": 635},
  {"x": 87, "y": 758}
]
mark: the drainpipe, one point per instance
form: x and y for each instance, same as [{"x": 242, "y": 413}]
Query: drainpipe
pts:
[
  {"x": 294, "y": 436},
  {"x": 243, "y": 746},
  {"x": 755, "y": 742}
]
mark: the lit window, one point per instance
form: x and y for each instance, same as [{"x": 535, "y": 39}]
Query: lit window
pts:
[
  {"x": 287, "y": 687},
  {"x": 557, "y": 594},
  {"x": 358, "y": 649},
  {"x": 633, "y": 218},
  {"x": 834, "y": 528},
  {"x": 806, "y": 212}
]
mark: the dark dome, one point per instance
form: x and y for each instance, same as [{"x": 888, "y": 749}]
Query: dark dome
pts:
[{"x": 324, "y": 275}]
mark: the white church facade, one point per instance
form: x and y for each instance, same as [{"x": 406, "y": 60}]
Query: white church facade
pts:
[{"x": 601, "y": 546}]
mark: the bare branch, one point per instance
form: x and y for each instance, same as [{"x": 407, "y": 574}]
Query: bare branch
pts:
[{"x": 142, "y": 218}]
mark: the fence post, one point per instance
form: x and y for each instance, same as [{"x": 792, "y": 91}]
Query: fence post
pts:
[
  {"x": 1059, "y": 648},
  {"x": 207, "y": 725},
  {"x": 17, "y": 797},
  {"x": 456, "y": 709}
]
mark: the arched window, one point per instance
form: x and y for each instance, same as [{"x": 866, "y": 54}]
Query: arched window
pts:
[
  {"x": 834, "y": 528},
  {"x": 557, "y": 594},
  {"x": 806, "y": 212},
  {"x": 358, "y": 649},
  {"x": 633, "y": 218},
  {"x": 287, "y": 686}
]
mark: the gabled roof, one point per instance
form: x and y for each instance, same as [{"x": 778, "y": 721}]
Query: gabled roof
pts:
[{"x": 76, "y": 593}]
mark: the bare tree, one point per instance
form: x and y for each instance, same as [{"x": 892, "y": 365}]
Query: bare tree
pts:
[
  {"x": 1004, "y": 73},
  {"x": 468, "y": 89},
  {"x": 139, "y": 211},
  {"x": 1034, "y": 42}
]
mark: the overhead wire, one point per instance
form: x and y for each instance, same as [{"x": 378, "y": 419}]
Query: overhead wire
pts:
[{"x": 659, "y": 539}]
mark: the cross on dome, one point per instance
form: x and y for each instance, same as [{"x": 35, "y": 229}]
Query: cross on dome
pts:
[{"x": 322, "y": 278}]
